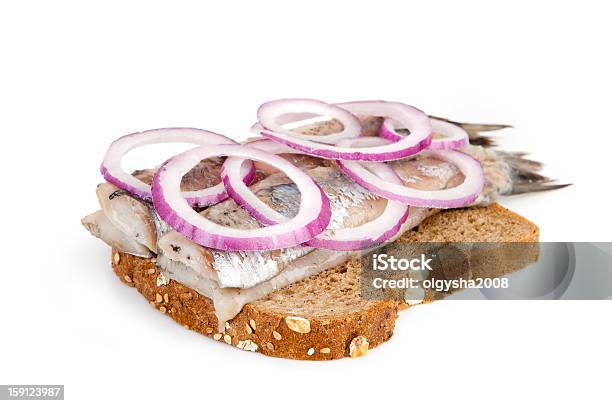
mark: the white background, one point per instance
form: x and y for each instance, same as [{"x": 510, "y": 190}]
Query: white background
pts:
[{"x": 76, "y": 75}]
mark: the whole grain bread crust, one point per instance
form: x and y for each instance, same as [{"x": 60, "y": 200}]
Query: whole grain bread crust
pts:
[{"x": 258, "y": 329}]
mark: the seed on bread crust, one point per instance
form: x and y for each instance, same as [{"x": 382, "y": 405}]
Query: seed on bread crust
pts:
[
  {"x": 116, "y": 258},
  {"x": 248, "y": 328},
  {"x": 166, "y": 298},
  {"x": 158, "y": 298},
  {"x": 162, "y": 309},
  {"x": 298, "y": 324},
  {"x": 227, "y": 339},
  {"x": 217, "y": 336},
  {"x": 161, "y": 280},
  {"x": 359, "y": 347},
  {"x": 277, "y": 335},
  {"x": 127, "y": 278},
  {"x": 310, "y": 351},
  {"x": 325, "y": 350},
  {"x": 151, "y": 271},
  {"x": 253, "y": 324},
  {"x": 247, "y": 345}
]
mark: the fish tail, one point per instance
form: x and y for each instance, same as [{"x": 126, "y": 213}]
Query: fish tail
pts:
[{"x": 525, "y": 174}]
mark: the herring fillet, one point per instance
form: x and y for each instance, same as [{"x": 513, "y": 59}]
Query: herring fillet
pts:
[
  {"x": 100, "y": 226},
  {"x": 351, "y": 205}
]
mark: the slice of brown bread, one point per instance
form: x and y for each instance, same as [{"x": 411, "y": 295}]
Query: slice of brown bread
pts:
[{"x": 334, "y": 320}]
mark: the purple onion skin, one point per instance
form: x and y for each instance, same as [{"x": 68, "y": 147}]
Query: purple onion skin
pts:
[
  {"x": 352, "y": 156},
  {"x": 144, "y": 195}
]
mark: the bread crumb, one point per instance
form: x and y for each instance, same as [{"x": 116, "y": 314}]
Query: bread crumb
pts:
[
  {"x": 298, "y": 324},
  {"x": 359, "y": 347},
  {"x": 227, "y": 325},
  {"x": 151, "y": 271},
  {"x": 277, "y": 335}
]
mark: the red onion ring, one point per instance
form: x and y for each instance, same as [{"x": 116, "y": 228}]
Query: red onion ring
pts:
[
  {"x": 312, "y": 218},
  {"x": 272, "y": 115},
  {"x": 454, "y": 136},
  {"x": 371, "y": 233},
  {"x": 368, "y": 177},
  {"x": 112, "y": 171},
  {"x": 409, "y": 117}
]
